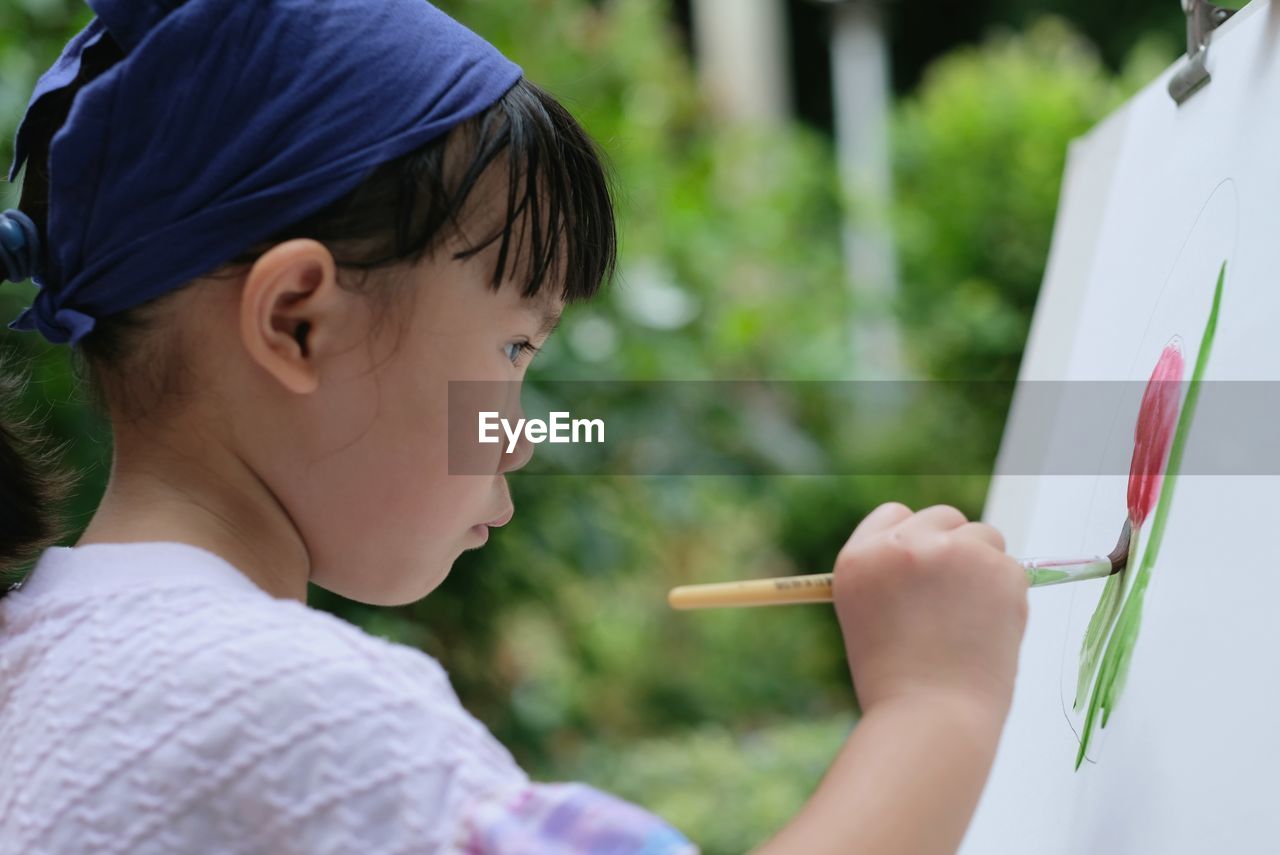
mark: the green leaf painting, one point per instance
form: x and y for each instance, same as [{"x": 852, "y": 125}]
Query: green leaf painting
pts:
[{"x": 1112, "y": 633}]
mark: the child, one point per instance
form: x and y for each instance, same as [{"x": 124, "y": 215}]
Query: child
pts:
[{"x": 273, "y": 232}]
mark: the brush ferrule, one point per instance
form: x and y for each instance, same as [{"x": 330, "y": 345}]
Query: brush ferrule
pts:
[{"x": 1055, "y": 571}]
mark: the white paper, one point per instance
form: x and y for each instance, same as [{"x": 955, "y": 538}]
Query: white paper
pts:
[{"x": 1154, "y": 200}]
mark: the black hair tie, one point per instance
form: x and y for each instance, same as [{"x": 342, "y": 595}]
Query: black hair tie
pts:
[{"x": 19, "y": 245}]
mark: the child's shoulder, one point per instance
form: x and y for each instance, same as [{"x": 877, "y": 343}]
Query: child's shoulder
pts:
[
  {"x": 211, "y": 635},
  {"x": 172, "y": 588},
  {"x": 220, "y": 709},
  {"x": 283, "y": 653}
]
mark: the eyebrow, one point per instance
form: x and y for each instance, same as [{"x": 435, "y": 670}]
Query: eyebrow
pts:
[{"x": 549, "y": 318}]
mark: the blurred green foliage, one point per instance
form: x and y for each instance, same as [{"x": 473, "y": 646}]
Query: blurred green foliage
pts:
[
  {"x": 979, "y": 154},
  {"x": 557, "y": 634},
  {"x": 731, "y": 788}
]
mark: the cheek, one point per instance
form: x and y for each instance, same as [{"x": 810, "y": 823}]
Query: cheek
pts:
[
  {"x": 377, "y": 461},
  {"x": 429, "y": 469},
  {"x": 477, "y": 437},
  {"x": 394, "y": 520},
  {"x": 419, "y": 469}
]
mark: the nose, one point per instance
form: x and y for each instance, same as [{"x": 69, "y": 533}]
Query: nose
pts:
[{"x": 518, "y": 457}]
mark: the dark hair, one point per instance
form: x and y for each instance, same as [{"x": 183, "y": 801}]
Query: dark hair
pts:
[
  {"x": 558, "y": 226},
  {"x": 31, "y": 484}
]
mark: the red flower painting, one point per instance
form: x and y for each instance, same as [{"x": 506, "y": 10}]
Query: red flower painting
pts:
[
  {"x": 1153, "y": 433},
  {"x": 1159, "y": 438}
]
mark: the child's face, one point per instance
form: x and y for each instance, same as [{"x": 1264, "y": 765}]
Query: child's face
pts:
[{"x": 362, "y": 467}]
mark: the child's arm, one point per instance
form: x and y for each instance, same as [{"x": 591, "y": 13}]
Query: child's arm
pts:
[
  {"x": 906, "y": 781},
  {"x": 932, "y": 613}
]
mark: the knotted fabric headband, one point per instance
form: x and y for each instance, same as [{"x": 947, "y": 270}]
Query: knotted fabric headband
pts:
[{"x": 226, "y": 121}]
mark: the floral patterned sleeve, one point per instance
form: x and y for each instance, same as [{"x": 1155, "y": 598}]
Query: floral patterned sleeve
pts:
[{"x": 541, "y": 819}]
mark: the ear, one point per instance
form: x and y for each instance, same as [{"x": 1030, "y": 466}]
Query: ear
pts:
[{"x": 290, "y": 312}]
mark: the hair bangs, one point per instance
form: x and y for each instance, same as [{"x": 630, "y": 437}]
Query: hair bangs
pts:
[{"x": 558, "y": 223}]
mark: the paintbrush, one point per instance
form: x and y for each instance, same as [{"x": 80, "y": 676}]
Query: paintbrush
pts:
[{"x": 817, "y": 588}]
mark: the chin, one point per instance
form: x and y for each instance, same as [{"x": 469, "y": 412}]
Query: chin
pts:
[{"x": 393, "y": 588}]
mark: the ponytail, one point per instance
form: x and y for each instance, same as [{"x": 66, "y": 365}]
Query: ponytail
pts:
[{"x": 33, "y": 485}]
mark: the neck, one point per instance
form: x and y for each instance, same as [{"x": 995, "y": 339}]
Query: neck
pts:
[{"x": 157, "y": 492}]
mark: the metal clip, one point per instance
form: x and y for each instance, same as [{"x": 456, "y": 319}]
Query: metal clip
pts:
[{"x": 1202, "y": 19}]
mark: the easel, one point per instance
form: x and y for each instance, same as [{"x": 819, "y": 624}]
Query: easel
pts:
[{"x": 1202, "y": 19}]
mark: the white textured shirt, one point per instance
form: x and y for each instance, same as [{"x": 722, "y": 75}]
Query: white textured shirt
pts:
[{"x": 153, "y": 699}]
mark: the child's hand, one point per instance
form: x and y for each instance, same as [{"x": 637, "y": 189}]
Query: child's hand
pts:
[
  {"x": 932, "y": 612},
  {"x": 930, "y": 603}
]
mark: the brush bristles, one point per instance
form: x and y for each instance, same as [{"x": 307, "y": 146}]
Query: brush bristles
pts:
[{"x": 1120, "y": 555}]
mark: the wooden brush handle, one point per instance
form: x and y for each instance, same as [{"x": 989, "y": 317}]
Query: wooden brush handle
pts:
[
  {"x": 753, "y": 592},
  {"x": 817, "y": 588}
]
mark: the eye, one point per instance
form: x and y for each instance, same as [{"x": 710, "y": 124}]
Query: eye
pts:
[{"x": 516, "y": 349}]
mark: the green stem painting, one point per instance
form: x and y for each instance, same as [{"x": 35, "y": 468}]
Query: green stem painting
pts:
[{"x": 1119, "y": 614}]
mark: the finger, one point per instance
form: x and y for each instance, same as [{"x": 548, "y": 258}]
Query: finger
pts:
[
  {"x": 935, "y": 518},
  {"x": 884, "y": 517},
  {"x": 983, "y": 532}
]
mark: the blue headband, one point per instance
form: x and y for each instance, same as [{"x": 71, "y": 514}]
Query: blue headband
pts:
[{"x": 226, "y": 121}]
